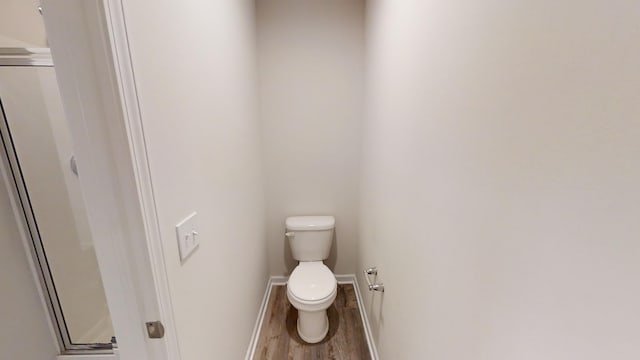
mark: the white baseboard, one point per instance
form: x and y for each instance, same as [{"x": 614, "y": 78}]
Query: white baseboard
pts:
[
  {"x": 365, "y": 320},
  {"x": 279, "y": 280},
  {"x": 261, "y": 312},
  {"x": 345, "y": 278},
  {"x": 282, "y": 280}
]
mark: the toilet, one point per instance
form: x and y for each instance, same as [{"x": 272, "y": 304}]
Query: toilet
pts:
[{"x": 312, "y": 287}]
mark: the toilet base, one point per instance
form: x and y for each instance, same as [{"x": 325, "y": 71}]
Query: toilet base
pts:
[{"x": 313, "y": 326}]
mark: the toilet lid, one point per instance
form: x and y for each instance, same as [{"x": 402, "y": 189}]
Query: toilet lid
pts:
[{"x": 311, "y": 281}]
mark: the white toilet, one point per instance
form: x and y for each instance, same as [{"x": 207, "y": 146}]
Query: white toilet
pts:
[{"x": 312, "y": 287}]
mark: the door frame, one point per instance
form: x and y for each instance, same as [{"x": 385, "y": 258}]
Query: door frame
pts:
[{"x": 90, "y": 49}]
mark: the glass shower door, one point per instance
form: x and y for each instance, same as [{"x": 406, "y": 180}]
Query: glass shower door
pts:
[{"x": 39, "y": 165}]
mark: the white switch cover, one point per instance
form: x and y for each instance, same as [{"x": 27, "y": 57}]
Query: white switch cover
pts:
[{"x": 188, "y": 237}]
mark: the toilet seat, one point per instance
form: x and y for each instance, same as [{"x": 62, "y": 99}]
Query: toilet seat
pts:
[{"x": 311, "y": 282}]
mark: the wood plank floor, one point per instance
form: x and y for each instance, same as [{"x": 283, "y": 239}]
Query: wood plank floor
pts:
[{"x": 279, "y": 338}]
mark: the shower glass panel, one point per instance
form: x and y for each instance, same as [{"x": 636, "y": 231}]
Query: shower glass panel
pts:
[{"x": 40, "y": 167}]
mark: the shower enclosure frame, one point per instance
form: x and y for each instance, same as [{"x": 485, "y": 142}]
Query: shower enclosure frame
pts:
[{"x": 89, "y": 46}]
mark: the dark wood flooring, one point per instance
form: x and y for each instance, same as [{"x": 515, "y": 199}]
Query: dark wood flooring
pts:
[{"x": 279, "y": 338}]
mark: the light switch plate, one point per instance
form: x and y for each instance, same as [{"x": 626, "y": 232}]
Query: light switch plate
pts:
[{"x": 188, "y": 237}]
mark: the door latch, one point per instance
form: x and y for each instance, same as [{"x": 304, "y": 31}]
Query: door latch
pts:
[{"x": 155, "y": 329}]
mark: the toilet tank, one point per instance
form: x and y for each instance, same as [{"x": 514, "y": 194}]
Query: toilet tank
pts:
[{"x": 310, "y": 237}]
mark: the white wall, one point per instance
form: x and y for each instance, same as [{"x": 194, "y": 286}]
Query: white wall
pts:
[
  {"x": 24, "y": 331},
  {"x": 195, "y": 71},
  {"x": 21, "y": 24},
  {"x": 500, "y": 192},
  {"x": 311, "y": 74}
]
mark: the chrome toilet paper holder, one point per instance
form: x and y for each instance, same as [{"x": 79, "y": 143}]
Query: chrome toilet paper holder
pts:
[{"x": 373, "y": 286}]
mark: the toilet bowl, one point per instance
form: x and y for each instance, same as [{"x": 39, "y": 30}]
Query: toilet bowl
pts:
[{"x": 312, "y": 287}]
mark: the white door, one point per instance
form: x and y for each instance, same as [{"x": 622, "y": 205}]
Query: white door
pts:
[{"x": 90, "y": 52}]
